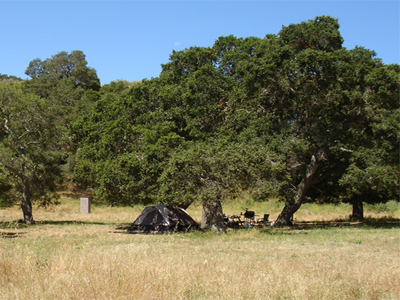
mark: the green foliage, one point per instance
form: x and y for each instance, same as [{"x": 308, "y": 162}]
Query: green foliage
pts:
[
  {"x": 4, "y": 78},
  {"x": 322, "y": 34},
  {"x": 219, "y": 170},
  {"x": 373, "y": 169},
  {"x": 7, "y": 197},
  {"x": 65, "y": 80},
  {"x": 70, "y": 88},
  {"x": 122, "y": 147},
  {"x": 293, "y": 116},
  {"x": 28, "y": 146},
  {"x": 63, "y": 66},
  {"x": 392, "y": 207},
  {"x": 116, "y": 87}
]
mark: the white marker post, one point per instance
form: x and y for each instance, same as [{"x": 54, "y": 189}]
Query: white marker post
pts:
[{"x": 85, "y": 205}]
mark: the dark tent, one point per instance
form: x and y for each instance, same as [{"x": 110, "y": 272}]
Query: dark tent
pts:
[{"x": 163, "y": 219}]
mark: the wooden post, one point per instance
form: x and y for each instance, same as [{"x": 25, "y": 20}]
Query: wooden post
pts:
[{"x": 85, "y": 205}]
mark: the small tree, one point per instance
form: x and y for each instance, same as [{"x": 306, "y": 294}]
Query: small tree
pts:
[
  {"x": 28, "y": 147},
  {"x": 63, "y": 66},
  {"x": 373, "y": 174}
]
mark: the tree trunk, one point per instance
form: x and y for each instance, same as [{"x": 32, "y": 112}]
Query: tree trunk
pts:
[
  {"x": 358, "y": 209},
  {"x": 213, "y": 217},
  {"x": 26, "y": 204},
  {"x": 286, "y": 216}
]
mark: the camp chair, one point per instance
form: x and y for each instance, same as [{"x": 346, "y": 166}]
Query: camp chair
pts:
[{"x": 263, "y": 220}]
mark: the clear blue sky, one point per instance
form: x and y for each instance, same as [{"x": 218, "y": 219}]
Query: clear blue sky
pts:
[{"x": 130, "y": 40}]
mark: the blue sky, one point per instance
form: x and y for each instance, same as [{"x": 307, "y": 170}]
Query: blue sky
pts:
[{"x": 129, "y": 40}]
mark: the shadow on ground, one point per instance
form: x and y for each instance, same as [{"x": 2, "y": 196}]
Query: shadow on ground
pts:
[
  {"x": 11, "y": 235},
  {"x": 20, "y": 223},
  {"x": 70, "y": 222},
  {"x": 374, "y": 223},
  {"x": 123, "y": 226}
]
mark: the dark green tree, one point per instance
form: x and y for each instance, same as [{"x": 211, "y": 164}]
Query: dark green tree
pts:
[
  {"x": 28, "y": 148},
  {"x": 63, "y": 66},
  {"x": 310, "y": 100},
  {"x": 122, "y": 147},
  {"x": 373, "y": 172},
  {"x": 71, "y": 88},
  {"x": 65, "y": 80},
  {"x": 325, "y": 101},
  {"x": 209, "y": 172},
  {"x": 7, "y": 197}
]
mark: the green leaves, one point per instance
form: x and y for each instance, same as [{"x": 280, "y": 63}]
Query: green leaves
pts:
[
  {"x": 322, "y": 33},
  {"x": 63, "y": 78},
  {"x": 28, "y": 144},
  {"x": 216, "y": 169},
  {"x": 291, "y": 115},
  {"x": 123, "y": 145},
  {"x": 64, "y": 65},
  {"x": 373, "y": 171},
  {"x": 369, "y": 174}
]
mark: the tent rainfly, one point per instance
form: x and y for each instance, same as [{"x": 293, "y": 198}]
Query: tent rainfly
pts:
[{"x": 163, "y": 219}]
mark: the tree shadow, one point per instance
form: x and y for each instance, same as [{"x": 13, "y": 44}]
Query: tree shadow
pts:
[
  {"x": 21, "y": 224},
  {"x": 373, "y": 223},
  {"x": 124, "y": 226},
  {"x": 70, "y": 222},
  {"x": 11, "y": 235}
]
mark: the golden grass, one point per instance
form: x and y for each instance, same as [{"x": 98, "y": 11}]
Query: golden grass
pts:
[{"x": 68, "y": 255}]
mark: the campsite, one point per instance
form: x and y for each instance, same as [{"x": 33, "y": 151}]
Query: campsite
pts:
[
  {"x": 70, "y": 255},
  {"x": 257, "y": 165}
]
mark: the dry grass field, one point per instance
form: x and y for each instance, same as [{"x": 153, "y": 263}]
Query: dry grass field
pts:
[{"x": 68, "y": 255}]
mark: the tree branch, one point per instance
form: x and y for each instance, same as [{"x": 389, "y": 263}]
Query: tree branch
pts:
[{"x": 8, "y": 129}]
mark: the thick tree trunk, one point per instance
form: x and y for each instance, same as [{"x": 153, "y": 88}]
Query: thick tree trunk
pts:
[
  {"x": 358, "y": 209},
  {"x": 286, "y": 216},
  {"x": 213, "y": 217},
  {"x": 26, "y": 204}
]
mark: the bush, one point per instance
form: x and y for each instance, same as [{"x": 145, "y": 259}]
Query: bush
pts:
[{"x": 392, "y": 207}]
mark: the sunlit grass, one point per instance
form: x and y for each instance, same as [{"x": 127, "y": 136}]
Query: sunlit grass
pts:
[
  {"x": 69, "y": 209},
  {"x": 69, "y": 255},
  {"x": 93, "y": 262}
]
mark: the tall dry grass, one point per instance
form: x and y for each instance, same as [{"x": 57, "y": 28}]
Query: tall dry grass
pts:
[{"x": 72, "y": 256}]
